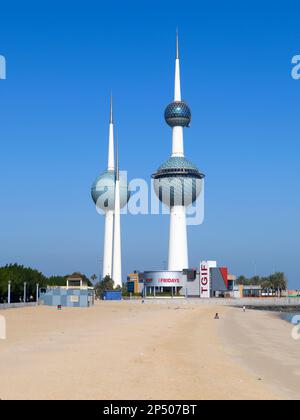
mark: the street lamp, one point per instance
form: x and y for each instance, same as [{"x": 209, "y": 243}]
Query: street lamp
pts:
[
  {"x": 8, "y": 292},
  {"x": 24, "y": 297},
  {"x": 37, "y": 294}
]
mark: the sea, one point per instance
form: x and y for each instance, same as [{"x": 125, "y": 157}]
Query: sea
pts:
[
  {"x": 288, "y": 313},
  {"x": 292, "y": 317}
]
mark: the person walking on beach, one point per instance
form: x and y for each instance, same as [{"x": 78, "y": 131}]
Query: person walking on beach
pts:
[{"x": 244, "y": 308}]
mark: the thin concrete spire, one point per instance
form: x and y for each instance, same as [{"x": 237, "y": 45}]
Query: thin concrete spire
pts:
[
  {"x": 177, "y": 90},
  {"x": 111, "y": 109},
  {"x": 177, "y": 131},
  {"x": 177, "y": 45},
  {"x": 111, "y": 151}
]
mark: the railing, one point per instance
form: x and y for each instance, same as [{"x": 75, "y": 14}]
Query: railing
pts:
[{"x": 68, "y": 287}]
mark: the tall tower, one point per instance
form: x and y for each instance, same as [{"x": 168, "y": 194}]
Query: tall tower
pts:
[
  {"x": 109, "y": 213},
  {"x": 177, "y": 182},
  {"x": 103, "y": 194}
]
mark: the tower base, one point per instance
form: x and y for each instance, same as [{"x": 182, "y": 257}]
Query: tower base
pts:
[
  {"x": 178, "y": 251},
  {"x": 108, "y": 243}
]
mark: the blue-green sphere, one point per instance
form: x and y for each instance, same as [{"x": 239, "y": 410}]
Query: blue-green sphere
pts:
[
  {"x": 103, "y": 191},
  {"x": 178, "y": 182},
  {"x": 178, "y": 113}
]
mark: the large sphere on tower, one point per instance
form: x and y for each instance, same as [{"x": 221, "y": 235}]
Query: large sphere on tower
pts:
[
  {"x": 103, "y": 191},
  {"x": 178, "y": 182},
  {"x": 178, "y": 113}
]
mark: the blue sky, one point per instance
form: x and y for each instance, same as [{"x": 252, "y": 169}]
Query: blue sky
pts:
[{"x": 62, "y": 60}]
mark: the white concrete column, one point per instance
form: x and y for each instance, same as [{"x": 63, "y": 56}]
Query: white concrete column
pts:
[
  {"x": 24, "y": 297},
  {"x": 177, "y": 141},
  {"x": 177, "y": 90},
  {"x": 117, "y": 260},
  {"x": 178, "y": 251},
  {"x": 108, "y": 243}
]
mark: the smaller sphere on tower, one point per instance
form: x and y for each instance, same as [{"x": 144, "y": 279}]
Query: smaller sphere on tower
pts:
[{"x": 178, "y": 113}]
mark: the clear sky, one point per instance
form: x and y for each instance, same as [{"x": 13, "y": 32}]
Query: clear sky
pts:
[{"x": 63, "y": 57}]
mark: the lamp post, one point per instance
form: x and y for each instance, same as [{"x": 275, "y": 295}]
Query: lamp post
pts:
[
  {"x": 24, "y": 297},
  {"x": 8, "y": 292},
  {"x": 37, "y": 294}
]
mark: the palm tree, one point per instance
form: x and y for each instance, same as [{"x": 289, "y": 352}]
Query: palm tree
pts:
[
  {"x": 94, "y": 278},
  {"x": 266, "y": 284}
]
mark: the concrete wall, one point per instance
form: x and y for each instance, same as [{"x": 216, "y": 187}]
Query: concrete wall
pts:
[
  {"x": 67, "y": 297},
  {"x": 227, "y": 302},
  {"x": 216, "y": 281},
  {"x": 193, "y": 286},
  {"x": 16, "y": 305}
]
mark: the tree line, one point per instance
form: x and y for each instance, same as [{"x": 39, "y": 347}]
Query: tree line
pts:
[
  {"x": 107, "y": 283},
  {"x": 276, "y": 282},
  {"x": 18, "y": 275}
]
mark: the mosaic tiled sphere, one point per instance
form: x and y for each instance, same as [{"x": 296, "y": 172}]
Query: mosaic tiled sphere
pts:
[
  {"x": 178, "y": 114},
  {"x": 103, "y": 191},
  {"x": 178, "y": 182}
]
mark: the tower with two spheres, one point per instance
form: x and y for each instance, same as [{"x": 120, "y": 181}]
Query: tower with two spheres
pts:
[{"x": 177, "y": 182}]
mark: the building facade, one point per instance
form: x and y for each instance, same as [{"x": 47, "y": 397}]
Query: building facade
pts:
[
  {"x": 188, "y": 283},
  {"x": 76, "y": 293}
]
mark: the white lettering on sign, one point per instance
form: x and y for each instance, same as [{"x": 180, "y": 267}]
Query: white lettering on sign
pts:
[{"x": 204, "y": 280}]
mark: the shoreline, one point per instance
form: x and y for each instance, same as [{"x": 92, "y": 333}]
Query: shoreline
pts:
[
  {"x": 261, "y": 341},
  {"x": 275, "y": 308}
]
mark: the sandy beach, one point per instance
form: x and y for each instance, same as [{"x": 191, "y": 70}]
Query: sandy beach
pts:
[
  {"x": 127, "y": 350},
  {"x": 262, "y": 343}
]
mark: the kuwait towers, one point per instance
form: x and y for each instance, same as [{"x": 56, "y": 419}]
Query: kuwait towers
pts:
[
  {"x": 177, "y": 182},
  {"x": 110, "y": 193}
]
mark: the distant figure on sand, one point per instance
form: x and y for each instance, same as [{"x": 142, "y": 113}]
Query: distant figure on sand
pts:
[
  {"x": 244, "y": 308},
  {"x": 217, "y": 316}
]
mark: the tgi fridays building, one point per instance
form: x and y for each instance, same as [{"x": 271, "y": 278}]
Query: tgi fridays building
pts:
[{"x": 206, "y": 282}]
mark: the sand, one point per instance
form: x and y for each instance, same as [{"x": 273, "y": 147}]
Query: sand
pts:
[
  {"x": 263, "y": 343},
  {"x": 129, "y": 350}
]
